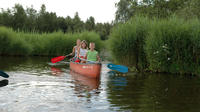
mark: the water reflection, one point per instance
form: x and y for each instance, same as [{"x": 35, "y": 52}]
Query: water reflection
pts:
[
  {"x": 56, "y": 71},
  {"x": 35, "y": 84},
  {"x": 79, "y": 80},
  {"x": 85, "y": 82},
  {"x": 4, "y": 83},
  {"x": 155, "y": 92}
]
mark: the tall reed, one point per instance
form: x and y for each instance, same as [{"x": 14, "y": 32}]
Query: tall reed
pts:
[
  {"x": 173, "y": 46},
  {"x": 160, "y": 45},
  {"x": 127, "y": 42},
  {"x": 46, "y": 44}
]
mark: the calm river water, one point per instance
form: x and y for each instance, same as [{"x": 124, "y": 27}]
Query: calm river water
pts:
[{"x": 36, "y": 85}]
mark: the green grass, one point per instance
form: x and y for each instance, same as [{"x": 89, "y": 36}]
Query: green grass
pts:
[
  {"x": 46, "y": 44},
  {"x": 161, "y": 45},
  {"x": 127, "y": 42},
  {"x": 173, "y": 46}
]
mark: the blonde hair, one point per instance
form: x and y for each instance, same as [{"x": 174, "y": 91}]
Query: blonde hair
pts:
[{"x": 92, "y": 43}]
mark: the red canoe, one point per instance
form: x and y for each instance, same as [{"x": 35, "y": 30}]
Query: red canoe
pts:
[{"x": 89, "y": 70}]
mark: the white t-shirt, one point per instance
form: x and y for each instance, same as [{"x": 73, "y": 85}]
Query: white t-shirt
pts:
[{"x": 83, "y": 52}]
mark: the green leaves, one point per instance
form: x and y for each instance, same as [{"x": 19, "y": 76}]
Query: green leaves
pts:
[
  {"x": 46, "y": 44},
  {"x": 156, "y": 8},
  {"x": 170, "y": 47},
  {"x": 127, "y": 41},
  {"x": 159, "y": 45}
]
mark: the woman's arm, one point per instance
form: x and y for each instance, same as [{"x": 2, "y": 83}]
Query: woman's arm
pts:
[{"x": 73, "y": 52}]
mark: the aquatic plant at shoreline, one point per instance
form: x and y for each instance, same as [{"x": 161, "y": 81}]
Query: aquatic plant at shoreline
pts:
[
  {"x": 159, "y": 45},
  {"x": 127, "y": 42},
  {"x": 45, "y": 44},
  {"x": 173, "y": 46}
]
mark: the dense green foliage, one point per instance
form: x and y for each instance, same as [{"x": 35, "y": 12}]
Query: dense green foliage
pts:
[
  {"x": 127, "y": 42},
  {"x": 29, "y": 20},
  {"x": 173, "y": 46},
  {"x": 46, "y": 44},
  {"x": 157, "y": 8},
  {"x": 157, "y": 41},
  {"x": 160, "y": 45}
]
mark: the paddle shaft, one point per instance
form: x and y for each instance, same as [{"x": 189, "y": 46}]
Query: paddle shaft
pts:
[{"x": 59, "y": 58}]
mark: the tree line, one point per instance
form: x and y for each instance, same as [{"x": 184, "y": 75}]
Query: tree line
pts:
[
  {"x": 42, "y": 21},
  {"x": 186, "y": 9}
]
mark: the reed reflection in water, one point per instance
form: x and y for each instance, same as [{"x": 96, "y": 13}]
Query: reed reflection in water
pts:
[{"x": 36, "y": 85}]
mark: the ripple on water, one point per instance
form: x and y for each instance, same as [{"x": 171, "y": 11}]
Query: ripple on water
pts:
[
  {"x": 28, "y": 91},
  {"x": 38, "y": 86}
]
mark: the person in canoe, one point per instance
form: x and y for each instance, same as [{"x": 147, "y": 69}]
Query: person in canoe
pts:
[
  {"x": 81, "y": 52},
  {"x": 92, "y": 55},
  {"x": 74, "y": 53},
  {"x": 75, "y": 49}
]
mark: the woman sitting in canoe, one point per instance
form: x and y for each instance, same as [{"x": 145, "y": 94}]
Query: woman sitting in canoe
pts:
[
  {"x": 81, "y": 52},
  {"x": 92, "y": 55},
  {"x": 75, "y": 49}
]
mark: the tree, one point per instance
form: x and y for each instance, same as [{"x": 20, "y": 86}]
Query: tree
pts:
[
  {"x": 78, "y": 25},
  {"x": 62, "y": 25},
  {"x": 46, "y": 22},
  {"x": 19, "y": 17},
  {"x": 90, "y": 24},
  {"x": 154, "y": 8},
  {"x": 31, "y": 19},
  {"x": 69, "y": 24},
  {"x": 190, "y": 10},
  {"x": 6, "y": 18},
  {"x": 125, "y": 9},
  {"x": 103, "y": 29}
]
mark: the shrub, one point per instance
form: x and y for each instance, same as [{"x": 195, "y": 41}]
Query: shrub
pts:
[
  {"x": 173, "y": 46},
  {"x": 127, "y": 42},
  {"x": 46, "y": 44}
]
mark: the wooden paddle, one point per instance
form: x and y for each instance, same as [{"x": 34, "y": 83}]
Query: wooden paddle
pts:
[
  {"x": 3, "y": 74},
  {"x": 59, "y": 58}
]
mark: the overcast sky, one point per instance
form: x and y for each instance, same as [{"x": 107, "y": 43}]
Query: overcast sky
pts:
[{"x": 101, "y": 10}]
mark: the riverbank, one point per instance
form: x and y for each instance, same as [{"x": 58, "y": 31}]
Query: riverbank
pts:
[
  {"x": 169, "y": 45},
  {"x": 158, "y": 45}
]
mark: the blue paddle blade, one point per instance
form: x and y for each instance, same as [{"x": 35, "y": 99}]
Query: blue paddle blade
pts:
[
  {"x": 119, "y": 68},
  {"x": 3, "y": 74}
]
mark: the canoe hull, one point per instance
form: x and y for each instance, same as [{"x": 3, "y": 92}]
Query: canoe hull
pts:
[
  {"x": 90, "y": 83},
  {"x": 89, "y": 70}
]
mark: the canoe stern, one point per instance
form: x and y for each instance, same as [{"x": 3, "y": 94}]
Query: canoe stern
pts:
[{"x": 89, "y": 70}]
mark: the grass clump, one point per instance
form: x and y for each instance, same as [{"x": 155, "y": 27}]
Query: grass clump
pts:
[
  {"x": 173, "y": 46},
  {"x": 46, "y": 44},
  {"x": 160, "y": 45},
  {"x": 127, "y": 42}
]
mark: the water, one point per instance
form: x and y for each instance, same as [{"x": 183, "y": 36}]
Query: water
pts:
[{"x": 36, "y": 85}]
